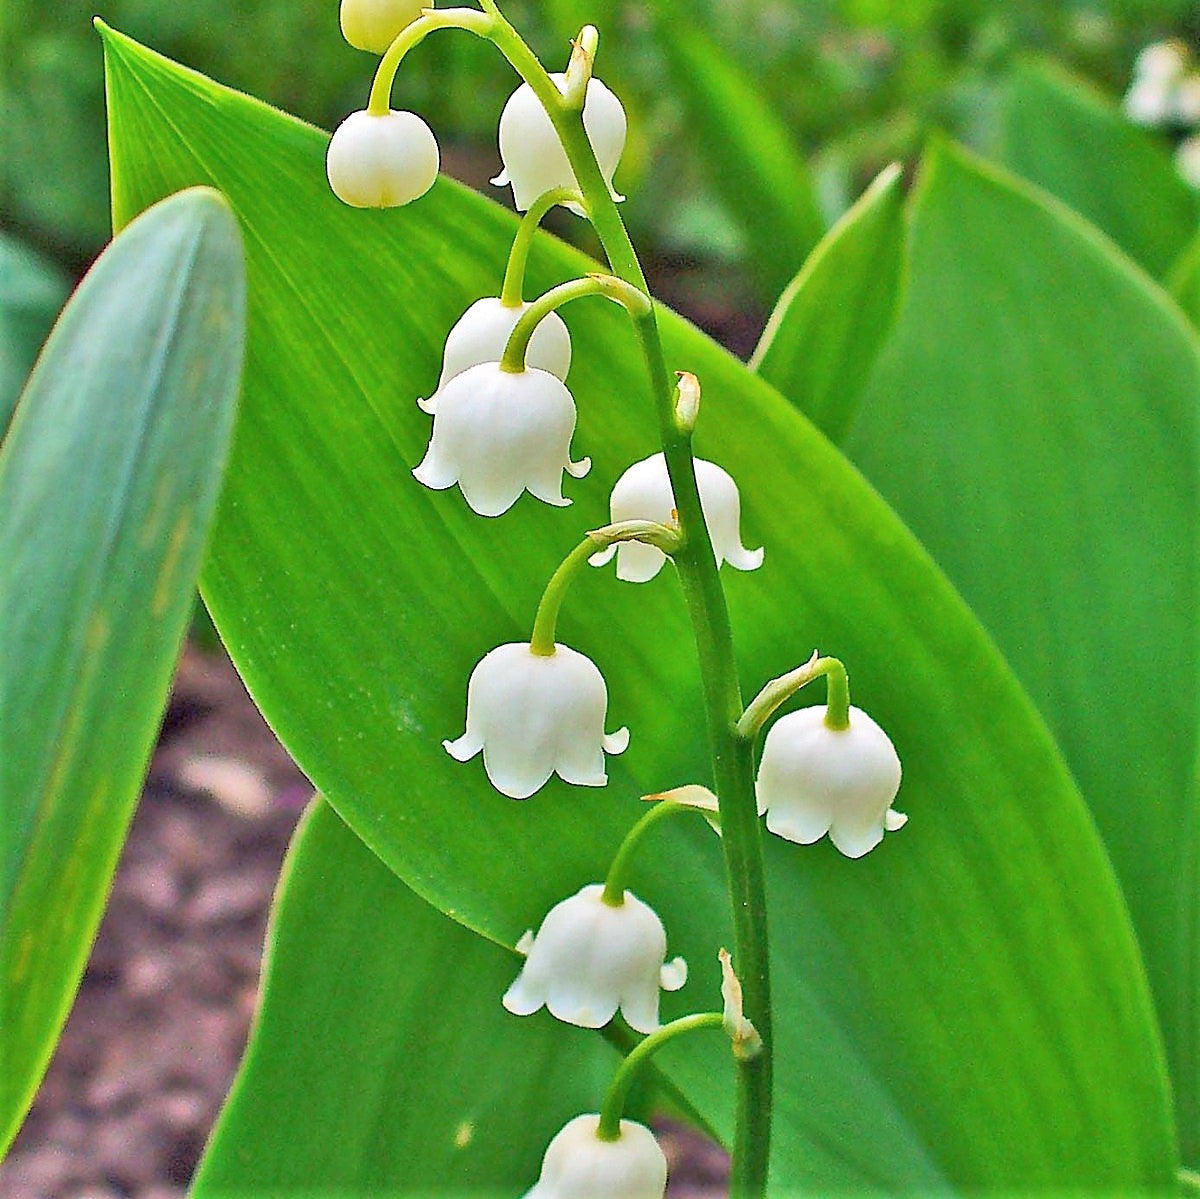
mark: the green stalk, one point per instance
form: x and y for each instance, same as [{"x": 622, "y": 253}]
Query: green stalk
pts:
[
  {"x": 732, "y": 755},
  {"x": 618, "y": 1089},
  {"x": 545, "y": 620},
  {"x": 512, "y": 294},
  {"x": 779, "y": 691},
  {"x": 618, "y": 872},
  {"x": 634, "y": 300}
]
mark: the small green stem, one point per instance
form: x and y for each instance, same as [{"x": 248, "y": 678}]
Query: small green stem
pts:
[
  {"x": 779, "y": 691},
  {"x": 618, "y": 1089},
  {"x": 618, "y": 872},
  {"x": 545, "y": 622},
  {"x": 484, "y": 24},
  {"x": 512, "y": 294},
  {"x": 635, "y": 301}
]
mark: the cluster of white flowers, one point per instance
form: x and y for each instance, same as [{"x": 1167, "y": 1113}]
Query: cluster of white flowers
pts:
[
  {"x": 1165, "y": 93},
  {"x": 503, "y": 423}
]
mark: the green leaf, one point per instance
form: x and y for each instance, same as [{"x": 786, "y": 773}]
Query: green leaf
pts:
[
  {"x": 1035, "y": 422},
  {"x": 418, "y": 1080},
  {"x": 31, "y": 294},
  {"x": 822, "y": 339},
  {"x": 1059, "y": 133},
  {"x": 108, "y": 480},
  {"x": 939, "y": 1019},
  {"x": 1184, "y": 280},
  {"x": 753, "y": 163}
]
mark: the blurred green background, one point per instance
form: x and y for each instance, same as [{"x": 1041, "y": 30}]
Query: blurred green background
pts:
[{"x": 852, "y": 83}]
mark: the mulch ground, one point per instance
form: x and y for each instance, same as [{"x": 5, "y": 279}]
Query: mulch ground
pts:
[{"x": 158, "y": 1027}]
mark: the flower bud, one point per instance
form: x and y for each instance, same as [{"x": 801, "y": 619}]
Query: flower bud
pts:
[
  {"x": 482, "y": 332},
  {"x": 382, "y": 161},
  {"x": 373, "y": 24},
  {"x": 590, "y": 958},
  {"x": 814, "y": 780},
  {"x": 533, "y": 156},
  {"x": 579, "y": 1165},
  {"x": 644, "y": 492},
  {"x": 497, "y": 433},
  {"x": 535, "y": 715}
]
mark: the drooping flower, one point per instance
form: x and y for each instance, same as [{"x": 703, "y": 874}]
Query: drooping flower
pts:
[
  {"x": 814, "y": 780},
  {"x": 497, "y": 433},
  {"x": 533, "y": 156},
  {"x": 482, "y": 332},
  {"x": 373, "y": 24},
  {"x": 535, "y": 715},
  {"x": 590, "y": 958},
  {"x": 644, "y": 492},
  {"x": 382, "y": 161},
  {"x": 579, "y": 1165}
]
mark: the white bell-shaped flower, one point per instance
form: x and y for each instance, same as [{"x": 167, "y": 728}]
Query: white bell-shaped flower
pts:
[
  {"x": 497, "y": 433},
  {"x": 1187, "y": 159},
  {"x": 533, "y": 156},
  {"x": 373, "y": 24},
  {"x": 535, "y": 715},
  {"x": 579, "y": 1165},
  {"x": 482, "y": 332},
  {"x": 644, "y": 492},
  {"x": 590, "y": 958},
  {"x": 382, "y": 161},
  {"x": 814, "y": 780}
]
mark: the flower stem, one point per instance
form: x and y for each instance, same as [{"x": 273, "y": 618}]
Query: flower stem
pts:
[
  {"x": 481, "y": 23},
  {"x": 779, "y": 691},
  {"x": 545, "y": 622},
  {"x": 618, "y": 1089},
  {"x": 732, "y": 756},
  {"x": 635, "y": 301},
  {"x": 618, "y": 872},
  {"x": 512, "y": 294}
]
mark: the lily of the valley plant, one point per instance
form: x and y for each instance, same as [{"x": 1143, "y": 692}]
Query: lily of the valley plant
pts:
[{"x": 503, "y": 423}]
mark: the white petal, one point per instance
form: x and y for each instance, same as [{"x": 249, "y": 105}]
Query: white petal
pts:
[
  {"x": 482, "y": 332},
  {"x": 638, "y": 562},
  {"x": 815, "y": 779},
  {"x": 640, "y": 1010},
  {"x": 893, "y": 821},
  {"x": 435, "y": 473},
  {"x": 603, "y": 557},
  {"x": 525, "y": 944},
  {"x": 618, "y": 742},
  {"x": 578, "y": 1165},
  {"x": 465, "y": 748},
  {"x": 741, "y": 558},
  {"x": 381, "y": 161},
  {"x": 673, "y": 975},
  {"x": 533, "y": 156},
  {"x": 804, "y": 826},
  {"x": 514, "y": 770},
  {"x": 578, "y": 470},
  {"x": 522, "y": 999},
  {"x": 855, "y": 842}
]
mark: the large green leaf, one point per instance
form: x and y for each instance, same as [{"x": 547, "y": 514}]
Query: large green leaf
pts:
[
  {"x": 1184, "y": 280},
  {"x": 108, "y": 481},
  {"x": 821, "y": 341},
  {"x": 31, "y": 294},
  {"x": 375, "y": 1004},
  {"x": 753, "y": 162},
  {"x": 1061, "y": 134},
  {"x": 1035, "y": 421},
  {"x": 939, "y": 1017}
]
